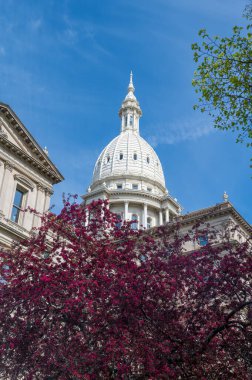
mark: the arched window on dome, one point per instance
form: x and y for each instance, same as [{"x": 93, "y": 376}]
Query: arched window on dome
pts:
[
  {"x": 125, "y": 120},
  {"x": 108, "y": 159},
  {"x": 148, "y": 159},
  {"x": 149, "y": 222},
  {"x": 121, "y": 156},
  {"x": 134, "y": 224},
  {"x": 131, "y": 120},
  {"x": 135, "y": 156}
]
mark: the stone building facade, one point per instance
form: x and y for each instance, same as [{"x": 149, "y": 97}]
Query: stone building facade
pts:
[{"x": 27, "y": 176}]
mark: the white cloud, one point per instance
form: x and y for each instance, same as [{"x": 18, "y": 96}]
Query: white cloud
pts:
[{"x": 179, "y": 131}]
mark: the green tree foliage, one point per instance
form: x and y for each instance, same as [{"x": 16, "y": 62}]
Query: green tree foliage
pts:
[{"x": 223, "y": 80}]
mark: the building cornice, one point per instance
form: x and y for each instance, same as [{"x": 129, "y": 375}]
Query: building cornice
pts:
[
  {"x": 42, "y": 164},
  {"x": 124, "y": 193},
  {"x": 208, "y": 213},
  {"x": 119, "y": 177},
  {"x": 13, "y": 228}
]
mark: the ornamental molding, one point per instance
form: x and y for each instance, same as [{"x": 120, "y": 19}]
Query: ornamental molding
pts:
[
  {"x": 136, "y": 177},
  {"x": 222, "y": 209},
  {"x": 44, "y": 189},
  {"x": 13, "y": 228},
  {"x": 24, "y": 181},
  {"x": 49, "y": 191},
  {"x": 9, "y": 165},
  {"x": 41, "y": 187},
  {"x": 30, "y": 160},
  {"x": 42, "y": 163}
]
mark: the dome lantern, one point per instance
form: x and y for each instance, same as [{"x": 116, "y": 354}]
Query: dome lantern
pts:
[{"x": 130, "y": 110}]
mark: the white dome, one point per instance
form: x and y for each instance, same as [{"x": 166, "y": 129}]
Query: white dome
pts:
[
  {"x": 130, "y": 155},
  {"x": 129, "y": 175}
]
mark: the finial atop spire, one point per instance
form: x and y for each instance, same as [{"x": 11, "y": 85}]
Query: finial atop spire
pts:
[
  {"x": 225, "y": 196},
  {"x": 131, "y": 85},
  {"x": 46, "y": 151}
]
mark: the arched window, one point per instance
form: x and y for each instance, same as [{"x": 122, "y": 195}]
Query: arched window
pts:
[
  {"x": 134, "y": 224},
  {"x": 108, "y": 159},
  {"x": 149, "y": 222},
  {"x": 135, "y": 156},
  {"x": 148, "y": 159},
  {"x": 131, "y": 120},
  {"x": 121, "y": 156},
  {"x": 125, "y": 120}
]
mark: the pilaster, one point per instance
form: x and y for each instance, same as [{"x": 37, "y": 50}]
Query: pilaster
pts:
[
  {"x": 145, "y": 211},
  {"x": 39, "y": 205},
  {"x": 7, "y": 189},
  {"x": 160, "y": 217},
  {"x": 126, "y": 210}
]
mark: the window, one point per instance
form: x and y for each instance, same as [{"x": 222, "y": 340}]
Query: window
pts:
[
  {"x": 203, "y": 240},
  {"x": 135, "y": 156},
  {"x": 121, "y": 156},
  {"x": 17, "y": 205},
  {"x": 149, "y": 222},
  {"x": 148, "y": 159},
  {"x": 125, "y": 120},
  {"x": 108, "y": 159},
  {"x": 119, "y": 186},
  {"x": 149, "y": 189},
  {"x": 131, "y": 120},
  {"x": 118, "y": 221},
  {"x": 134, "y": 224},
  {"x": 135, "y": 186}
]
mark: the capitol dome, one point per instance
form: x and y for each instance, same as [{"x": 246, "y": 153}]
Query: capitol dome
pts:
[
  {"x": 129, "y": 174},
  {"x": 131, "y": 155}
]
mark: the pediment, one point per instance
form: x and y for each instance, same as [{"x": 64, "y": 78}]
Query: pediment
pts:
[
  {"x": 15, "y": 136},
  {"x": 7, "y": 132}
]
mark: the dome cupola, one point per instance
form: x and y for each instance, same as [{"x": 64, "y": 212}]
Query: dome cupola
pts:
[{"x": 130, "y": 110}]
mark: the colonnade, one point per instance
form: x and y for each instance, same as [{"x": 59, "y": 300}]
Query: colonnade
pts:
[{"x": 145, "y": 214}]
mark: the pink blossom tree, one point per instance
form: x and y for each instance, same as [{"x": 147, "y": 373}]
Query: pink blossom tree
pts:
[{"x": 90, "y": 300}]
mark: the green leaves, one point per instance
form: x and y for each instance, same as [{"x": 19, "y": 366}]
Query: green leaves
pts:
[{"x": 223, "y": 79}]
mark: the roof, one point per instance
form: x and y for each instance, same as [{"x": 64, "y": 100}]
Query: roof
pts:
[
  {"x": 208, "y": 213},
  {"x": 39, "y": 158},
  {"x": 129, "y": 154}
]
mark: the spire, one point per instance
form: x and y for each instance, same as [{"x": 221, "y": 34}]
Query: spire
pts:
[
  {"x": 131, "y": 87},
  {"x": 130, "y": 111}
]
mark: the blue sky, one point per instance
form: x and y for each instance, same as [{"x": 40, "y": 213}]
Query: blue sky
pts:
[{"x": 64, "y": 70}]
